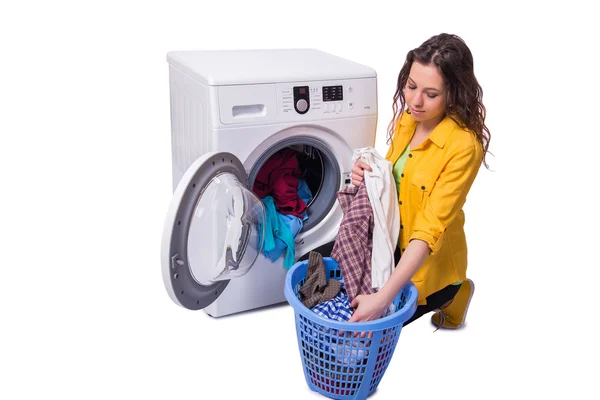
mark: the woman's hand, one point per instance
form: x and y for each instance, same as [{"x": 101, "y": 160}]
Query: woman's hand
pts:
[
  {"x": 358, "y": 172},
  {"x": 368, "y": 307}
]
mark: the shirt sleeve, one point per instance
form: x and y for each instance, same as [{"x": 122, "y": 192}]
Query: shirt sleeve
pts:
[{"x": 447, "y": 197}]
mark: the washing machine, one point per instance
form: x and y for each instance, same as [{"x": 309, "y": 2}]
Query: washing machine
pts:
[{"x": 231, "y": 111}]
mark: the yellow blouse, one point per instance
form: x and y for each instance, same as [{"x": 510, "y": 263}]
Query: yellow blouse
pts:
[{"x": 435, "y": 181}]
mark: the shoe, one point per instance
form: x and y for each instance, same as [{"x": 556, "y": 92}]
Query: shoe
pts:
[{"x": 453, "y": 316}]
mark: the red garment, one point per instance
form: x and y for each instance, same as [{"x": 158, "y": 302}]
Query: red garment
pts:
[{"x": 278, "y": 178}]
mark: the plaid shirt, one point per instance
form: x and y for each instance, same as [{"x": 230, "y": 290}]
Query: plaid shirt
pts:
[
  {"x": 354, "y": 243},
  {"x": 337, "y": 309}
]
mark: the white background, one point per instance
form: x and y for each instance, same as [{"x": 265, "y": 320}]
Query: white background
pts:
[{"x": 86, "y": 181}]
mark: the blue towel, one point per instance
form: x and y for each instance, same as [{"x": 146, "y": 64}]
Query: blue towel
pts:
[
  {"x": 294, "y": 224},
  {"x": 281, "y": 229},
  {"x": 278, "y": 236},
  {"x": 271, "y": 222},
  {"x": 305, "y": 194}
]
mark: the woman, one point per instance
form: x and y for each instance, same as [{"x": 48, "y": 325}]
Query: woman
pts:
[{"x": 438, "y": 143}]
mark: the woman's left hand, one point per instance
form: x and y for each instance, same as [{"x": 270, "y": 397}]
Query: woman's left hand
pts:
[{"x": 368, "y": 307}]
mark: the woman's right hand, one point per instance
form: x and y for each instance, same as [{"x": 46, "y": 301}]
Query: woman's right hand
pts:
[{"x": 358, "y": 172}]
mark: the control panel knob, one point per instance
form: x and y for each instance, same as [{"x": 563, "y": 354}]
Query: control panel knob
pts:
[
  {"x": 302, "y": 105},
  {"x": 301, "y": 99}
]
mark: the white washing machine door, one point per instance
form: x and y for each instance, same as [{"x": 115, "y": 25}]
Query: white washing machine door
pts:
[{"x": 213, "y": 232}]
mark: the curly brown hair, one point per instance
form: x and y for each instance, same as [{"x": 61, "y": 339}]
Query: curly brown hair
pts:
[{"x": 454, "y": 61}]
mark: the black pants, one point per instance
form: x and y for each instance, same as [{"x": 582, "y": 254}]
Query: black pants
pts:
[{"x": 434, "y": 300}]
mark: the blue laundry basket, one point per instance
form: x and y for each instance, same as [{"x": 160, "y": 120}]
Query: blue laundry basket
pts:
[{"x": 339, "y": 365}]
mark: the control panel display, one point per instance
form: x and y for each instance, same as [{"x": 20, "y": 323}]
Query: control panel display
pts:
[{"x": 332, "y": 93}]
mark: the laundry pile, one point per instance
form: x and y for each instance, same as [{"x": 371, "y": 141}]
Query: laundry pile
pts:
[
  {"x": 285, "y": 196},
  {"x": 364, "y": 251},
  {"x": 364, "y": 246}
]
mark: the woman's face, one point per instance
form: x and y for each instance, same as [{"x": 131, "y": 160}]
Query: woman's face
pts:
[{"x": 425, "y": 93}]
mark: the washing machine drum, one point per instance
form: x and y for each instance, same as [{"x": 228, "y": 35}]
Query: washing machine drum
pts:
[{"x": 213, "y": 232}]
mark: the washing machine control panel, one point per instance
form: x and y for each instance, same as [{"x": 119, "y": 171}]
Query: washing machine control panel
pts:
[{"x": 327, "y": 99}]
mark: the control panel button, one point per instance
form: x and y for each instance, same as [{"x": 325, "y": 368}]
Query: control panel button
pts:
[
  {"x": 351, "y": 105},
  {"x": 339, "y": 106},
  {"x": 301, "y": 99},
  {"x": 302, "y": 105}
]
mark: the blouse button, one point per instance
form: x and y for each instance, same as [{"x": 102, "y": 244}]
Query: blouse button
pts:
[
  {"x": 400, "y": 202},
  {"x": 410, "y": 155},
  {"x": 401, "y": 227},
  {"x": 422, "y": 187},
  {"x": 401, "y": 175}
]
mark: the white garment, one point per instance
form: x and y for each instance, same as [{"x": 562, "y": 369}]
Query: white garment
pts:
[{"x": 383, "y": 196}]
